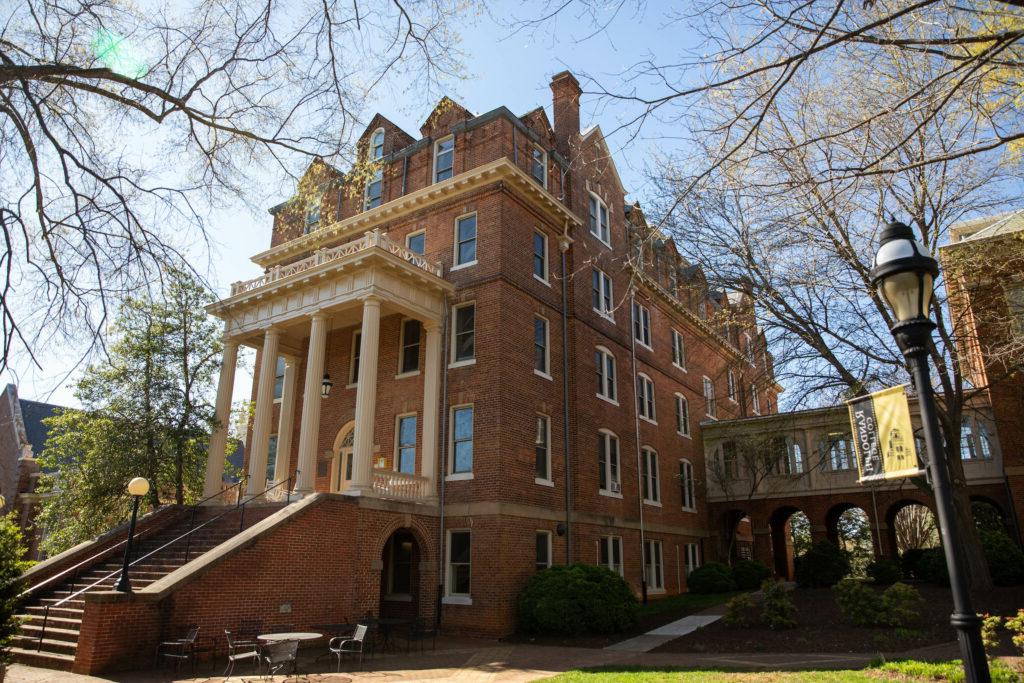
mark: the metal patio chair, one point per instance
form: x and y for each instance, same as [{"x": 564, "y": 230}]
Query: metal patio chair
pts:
[
  {"x": 280, "y": 655},
  {"x": 240, "y": 651},
  {"x": 179, "y": 650},
  {"x": 356, "y": 644},
  {"x": 420, "y": 631}
]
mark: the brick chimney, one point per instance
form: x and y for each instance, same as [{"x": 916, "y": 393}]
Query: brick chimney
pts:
[{"x": 565, "y": 91}]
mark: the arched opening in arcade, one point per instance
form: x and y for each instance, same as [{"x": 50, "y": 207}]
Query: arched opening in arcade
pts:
[
  {"x": 791, "y": 537},
  {"x": 849, "y": 527},
  {"x": 737, "y": 536},
  {"x": 989, "y": 516},
  {"x": 912, "y": 526}
]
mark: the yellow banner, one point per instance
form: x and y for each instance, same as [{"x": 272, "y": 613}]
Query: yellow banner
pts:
[{"x": 883, "y": 436}]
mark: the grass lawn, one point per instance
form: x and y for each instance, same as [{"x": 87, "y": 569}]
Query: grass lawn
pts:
[
  {"x": 687, "y": 603},
  {"x": 909, "y": 671}
]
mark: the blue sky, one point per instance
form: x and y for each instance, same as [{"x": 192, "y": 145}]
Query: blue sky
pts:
[{"x": 502, "y": 69}]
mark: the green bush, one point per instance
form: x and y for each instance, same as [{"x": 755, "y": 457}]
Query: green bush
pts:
[
  {"x": 931, "y": 567},
  {"x": 898, "y": 606},
  {"x": 1005, "y": 559},
  {"x": 576, "y": 600},
  {"x": 749, "y": 574},
  {"x": 910, "y": 562},
  {"x": 713, "y": 577},
  {"x": 823, "y": 565},
  {"x": 739, "y": 611},
  {"x": 884, "y": 572},
  {"x": 777, "y": 608},
  {"x": 12, "y": 566},
  {"x": 901, "y": 605}
]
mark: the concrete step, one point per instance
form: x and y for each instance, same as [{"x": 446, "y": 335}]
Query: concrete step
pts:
[
  {"x": 36, "y": 619},
  {"x": 45, "y": 660},
  {"x": 53, "y": 632},
  {"x": 49, "y": 644},
  {"x": 66, "y": 611}
]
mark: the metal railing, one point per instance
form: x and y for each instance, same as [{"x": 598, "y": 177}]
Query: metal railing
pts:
[{"x": 239, "y": 506}]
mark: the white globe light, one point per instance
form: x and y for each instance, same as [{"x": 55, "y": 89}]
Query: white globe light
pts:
[{"x": 139, "y": 486}]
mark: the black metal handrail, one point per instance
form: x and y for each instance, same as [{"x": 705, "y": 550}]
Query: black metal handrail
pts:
[{"x": 239, "y": 505}]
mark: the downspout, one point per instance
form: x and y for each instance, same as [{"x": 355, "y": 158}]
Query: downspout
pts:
[
  {"x": 636, "y": 427},
  {"x": 515, "y": 147},
  {"x": 442, "y": 461},
  {"x": 405, "y": 172},
  {"x": 563, "y": 245}
]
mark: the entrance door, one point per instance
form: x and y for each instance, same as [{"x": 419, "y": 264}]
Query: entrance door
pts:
[{"x": 341, "y": 467}]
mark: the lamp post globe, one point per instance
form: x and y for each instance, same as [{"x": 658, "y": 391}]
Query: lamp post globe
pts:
[
  {"x": 325, "y": 386},
  {"x": 137, "y": 488},
  {"x": 904, "y": 275}
]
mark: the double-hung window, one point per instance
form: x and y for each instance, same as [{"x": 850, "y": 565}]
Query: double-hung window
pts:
[
  {"x": 967, "y": 449},
  {"x": 464, "y": 333},
  {"x": 540, "y": 256},
  {"x": 541, "y": 351},
  {"x": 462, "y": 440},
  {"x": 313, "y": 214},
  {"x": 542, "y": 449},
  {"x": 748, "y": 347},
  {"x": 731, "y": 385},
  {"x": 271, "y": 456},
  {"x": 649, "y": 475},
  {"x": 405, "y": 444},
  {"x": 604, "y": 362},
  {"x": 539, "y": 166},
  {"x": 730, "y": 462},
  {"x": 459, "y": 554},
  {"x": 410, "y": 347},
  {"x": 984, "y": 440},
  {"x": 692, "y": 557},
  {"x": 374, "y": 186},
  {"x": 653, "y": 567},
  {"x": 417, "y": 242},
  {"x": 543, "y": 542},
  {"x": 279, "y": 379},
  {"x": 444, "y": 159},
  {"x": 686, "y": 486},
  {"x": 709, "y": 397},
  {"x": 645, "y": 397},
  {"x": 353, "y": 366},
  {"x": 609, "y": 553},
  {"x": 682, "y": 415},
  {"x": 755, "y": 401},
  {"x": 608, "y": 462},
  {"x": 601, "y": 292},
  {"x": 678, "y": 350},
  {"x": 465, "y": 240},
  {"x": 598, "y": 219},
  {"x": 642, "y": 324},
  {"x": 837, "y": 453}
]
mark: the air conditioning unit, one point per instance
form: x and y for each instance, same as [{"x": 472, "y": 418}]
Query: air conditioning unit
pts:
[{"x": 616, "y": 487}]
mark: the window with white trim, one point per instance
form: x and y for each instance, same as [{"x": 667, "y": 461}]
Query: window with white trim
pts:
[
  {"x": 601, "y": 293},
  {"x": 731, "y": 385},
  {"x": 755, "y": 401},
  {"x": 540, "y": 256},
  {"x": 465, "y": 240},
  {"x": 609, "y": 553},
  {"x": 682, "y": 415},
  {"x": 598, "y": 219},
  {"x": 271, "y": 456},
  {"x": 748, "y": 347},
  {"x": 654, "y": 569},
  {"x": 678, "y": 350},
  {"x": 542, "y": 448},
  {"x": 313, "y": 214},
  {"x": 353, "y": 366},
  {"x": 374, "y": 186},
  {"x": 279, "y": 379},
  {"x": 464, "y": 333},
  {"x": 462, "y": 440},
  {"x": 649, "y": 475},
  {"x": 539, "y": 165},
  {"x": 405, "y": 444},
  {"x": 409, "y": 359},
  {"x": 444, "y": 159},
  {"x": 709, "y": 397},
  {"x": 645, "y": 397},
  {"x": 984, "y": 440},
  {"x": 729, "y": 460},
  {"x": 837, "y": 452},
  {"x": 604, "y": 362},
  {"x": 541, "y": 351},
  {"x": 642, "y": 324},
  {"x": 692, "y": 554},
  {"x": 459, "y": 557},
  {"x": 608, "y": 462},
  {"x": 687, "y": 486},
  {"x": 543, "y": 553},
  {"x": 416, "y": 242}
]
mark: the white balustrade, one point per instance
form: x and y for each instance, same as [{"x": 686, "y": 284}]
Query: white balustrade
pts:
[{"x": 399, "y": 485}]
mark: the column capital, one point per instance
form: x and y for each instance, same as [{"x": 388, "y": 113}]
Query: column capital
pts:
[
  {"x": 431, "y": 325},
  {"x": 230, "y": 342},
  {"x": 318, "y": 315},
  {"x": 372, "y": 300}
]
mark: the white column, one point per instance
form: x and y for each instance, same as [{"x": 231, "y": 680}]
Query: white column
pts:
[
  {"x": 264, "y": 408},
  {"x": 366, "y": 399},
  {"x": 309, "y": 428},
  {"x": 215, "y": 456},
  {"x": 431, "y": 397},
  {"x": 286, "y": 422}
]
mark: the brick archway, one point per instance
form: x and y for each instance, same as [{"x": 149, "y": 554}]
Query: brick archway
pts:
[
  {"x": 892, "y": 544},
  {"x": 783, "y": 555}
]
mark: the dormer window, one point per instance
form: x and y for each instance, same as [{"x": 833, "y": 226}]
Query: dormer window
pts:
[
  {"x": 313, "y": 214},
  {"x": 444, "y": 159},
  {"x": 375, "y": 185},
  {"x": 377, "y": 145},
  {"x": 539, "y": 166},
  {"x": 599, "y": 220}
]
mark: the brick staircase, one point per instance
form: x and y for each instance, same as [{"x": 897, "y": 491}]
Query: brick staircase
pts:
[{"x": 59, "y": 641}]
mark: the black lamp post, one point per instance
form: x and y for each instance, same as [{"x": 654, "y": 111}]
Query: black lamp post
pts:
[
  {"x": 137, "y": 487},
  {"x": 904, "y": 274}
]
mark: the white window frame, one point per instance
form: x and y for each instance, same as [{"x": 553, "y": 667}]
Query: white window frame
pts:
[
  {"x": 544, "y": 163},
  {"x": 401, "y": 349},
  {"x": 546, "y": 480},
  {"x": 691, "y": 551},
  {"x": 682, "y": 416},
  {"x": 546, "y": 372},
  {"x": 687, "y": 486},
  {"x": 748, "y": 349},
  {"x": 646, "y": 407},
  {"x": 455, "y": 317},
  {"x": 437, "y": 144},
  {"x": 452, "y": 475},
  {"x": 678, "y": 350},
  {"x": 533, "y": 254},
  {"x": 281, "y": 364},
  {"x": 606, "y": 294},
  {"x": 396, "y": 458},
  {"x": 710, "y": 401},
  {"x": 607, "y": 227},
  {"x": 548, "y": 562},
  {"x": 450, "y": 597},
  {"x": 455, "y": 241},
  {"x": 656, "y": 568},
  {"x": 313, "y": 208},
  {"x": 642, "y": 325},
  {"x": 730, "y": 378},
  {"x": 609, "y": 543},
  {"x": 353, "y": 372},
  {"x": 755, "y": 401},
  {"x": 604, "y": 382},
  {"x": 608, "y": 436},
  {"x": 650, "y": 475},
  {"x": 414, "y": 233}
]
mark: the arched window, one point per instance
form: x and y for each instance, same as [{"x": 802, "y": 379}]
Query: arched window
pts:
[
  {"x": 645, "y": 397},
  {"x": 608, "y": 462},
  {"x": 686, "y": 486},
  {"x": 604, "y": 362},
  {"x": 374, "y": 186},
  {"x": 682, "y": 415}
]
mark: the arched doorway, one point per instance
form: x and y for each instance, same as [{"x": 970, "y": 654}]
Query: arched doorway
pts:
[
  {"x": 848, "y": 526},
  {"x": 399, "y": 578},
  {"x": 911, "y": 527},
  {"x": 791, "y": 536},
  {"x": 737, "y": 536},
  {"x": 341, "y": 462}
]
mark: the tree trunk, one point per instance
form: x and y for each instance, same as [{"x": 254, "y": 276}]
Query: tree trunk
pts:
[{"x": 974, "y": 556}]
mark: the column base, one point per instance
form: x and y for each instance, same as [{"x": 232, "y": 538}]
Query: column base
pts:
[{"x": 354, "y": 491}]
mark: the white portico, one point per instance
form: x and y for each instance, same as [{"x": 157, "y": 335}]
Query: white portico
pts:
[{"x": 355, "y": 283}]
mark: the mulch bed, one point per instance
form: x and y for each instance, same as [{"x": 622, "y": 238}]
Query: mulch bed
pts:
[{"x": 822, "y": 628}]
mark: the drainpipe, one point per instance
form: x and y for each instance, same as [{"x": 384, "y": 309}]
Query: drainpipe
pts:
[
  {"x": 636, "y": 432},
  {"x": 515, "y": 147},
  {"x": 405, "y": 171},
  {"x": 563, "y": 246},
  {"x": 442, "y": 462}
]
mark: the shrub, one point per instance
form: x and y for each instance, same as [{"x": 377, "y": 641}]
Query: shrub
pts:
[
  {"x": 12, "y": 566},
  {"x": 1005, "y": 560},
  {"x": 884, "y": 572},
  {"x": 576, "y": 600},
  {"x": 713, "y": 577},
  {"x": 749, "y": 574},
  {"x": 931, "y": 567},
  {"x": 1015, "y": 625},
  {"x": 858, "y": 603},
  {"x": 823, "y": 565},
  {"x": 901, "y": 605},
  {"x": 990, "y": 631},
  {"x": 910, "y": 562},
  {"x": 739, "y": 611},
  {"x": 777, "y": 608}
]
